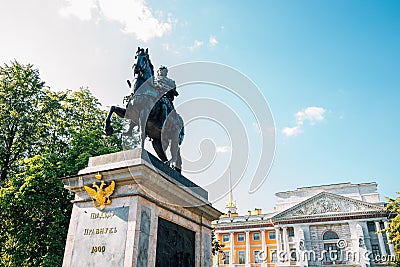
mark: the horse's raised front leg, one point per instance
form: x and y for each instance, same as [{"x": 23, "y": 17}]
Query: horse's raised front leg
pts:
[{"x": 108, "y": 129}]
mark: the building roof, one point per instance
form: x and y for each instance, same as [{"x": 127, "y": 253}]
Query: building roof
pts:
[
  {"x": 315, "y": 206},
  {"x": 328, "y": 206}
]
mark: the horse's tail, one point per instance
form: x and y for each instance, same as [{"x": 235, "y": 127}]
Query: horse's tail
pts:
[
  {"x": 182, "y": 125},
  {"x": 181, "y": 135}
]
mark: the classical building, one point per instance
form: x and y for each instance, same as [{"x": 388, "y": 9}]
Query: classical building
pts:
[{"x": 335, "y": 225}]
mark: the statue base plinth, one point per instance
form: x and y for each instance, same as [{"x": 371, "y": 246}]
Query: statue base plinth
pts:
[{"x": 156, "y": 217}]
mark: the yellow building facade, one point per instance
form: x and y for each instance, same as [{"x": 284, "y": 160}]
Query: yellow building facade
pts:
[{"x": 247, "y": 240}]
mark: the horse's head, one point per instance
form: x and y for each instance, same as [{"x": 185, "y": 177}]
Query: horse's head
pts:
[{"x": 141, "y": 61}]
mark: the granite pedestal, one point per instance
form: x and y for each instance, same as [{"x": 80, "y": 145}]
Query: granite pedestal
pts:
[{"x": 156, "y": 217}]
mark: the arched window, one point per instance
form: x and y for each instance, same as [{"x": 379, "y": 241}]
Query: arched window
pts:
[
  {"x": 331, "y": 249},
  {"x": 329, "y": 235}
]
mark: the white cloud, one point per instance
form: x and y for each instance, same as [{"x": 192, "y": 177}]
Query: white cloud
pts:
[
  {"x": 310, "y": 114},
  {"x": 79, "y": 8},
  {"x": 223, "y": 149},
  {"x": 196, "y": 44},
  {"x": 291, "y": 131},
  {"x": 134, "y": 16},
  {"x": 213, "y": 40}
]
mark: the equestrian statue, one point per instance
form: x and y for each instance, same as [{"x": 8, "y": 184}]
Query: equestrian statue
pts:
[{"x": 150, "y": 107}]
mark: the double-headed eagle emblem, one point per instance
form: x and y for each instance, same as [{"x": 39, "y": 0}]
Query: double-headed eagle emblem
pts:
[{"x": 102, "y": 197}]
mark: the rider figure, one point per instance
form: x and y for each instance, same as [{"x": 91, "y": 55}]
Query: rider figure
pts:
[{"x": 167, "y": 87}]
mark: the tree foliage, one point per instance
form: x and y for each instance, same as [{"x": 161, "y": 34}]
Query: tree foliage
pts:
[
  {"x": 21, "y": 96},
  {"x": 393, "y": 207},
  {"x": 35, "y": 210},
  {"x": 215, "y": 245},
  {"x": 44, "y": 135}
]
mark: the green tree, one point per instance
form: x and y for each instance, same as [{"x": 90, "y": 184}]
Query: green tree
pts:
[
  {"x": 52, "y": 135},
  {"x": 21, "y": 92},
  {"x": 215, "y": 245},
  {"x": 73, "y": 129},
  {"x": 35, "y": 215},
  {"x": 393, "y": 207}
]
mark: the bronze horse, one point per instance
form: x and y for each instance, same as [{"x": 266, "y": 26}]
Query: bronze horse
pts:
[{"x": 143, "y": 109}]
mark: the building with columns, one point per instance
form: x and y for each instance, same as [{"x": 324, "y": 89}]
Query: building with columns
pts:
[{"x": 335, "y": 225}]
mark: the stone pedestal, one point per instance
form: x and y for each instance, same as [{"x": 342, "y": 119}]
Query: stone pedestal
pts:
[{"x": 156, "y": 216}]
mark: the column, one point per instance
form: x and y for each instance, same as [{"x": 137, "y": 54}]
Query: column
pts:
[
  {"x": 278, "y": 245},
  {"x": 367, "y": 237},
  {"x": 360, "y": 244},
  {"x": 263, "y": 242},
  {"x": 391, "y": 246},
  {"x": 232, "y": 254},
  {"x": 247, "y": 248},
  {"x": 355, "y": 236},
  {"x": 278, "y": 240},
  {"x": 285, "y": 241},
  {"x": 299, "y": 236},
  {"x": 264, "y": 248},
  {"x": 380, "y": 238}
]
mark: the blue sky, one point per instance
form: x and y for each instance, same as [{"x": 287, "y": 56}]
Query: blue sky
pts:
[{"x": 329, "y": 71}]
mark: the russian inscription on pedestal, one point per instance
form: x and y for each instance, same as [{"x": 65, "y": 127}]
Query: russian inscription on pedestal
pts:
[{"x": 100, "y": 237}]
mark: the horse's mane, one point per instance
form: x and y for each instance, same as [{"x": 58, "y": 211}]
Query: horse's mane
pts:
[
  {"x": 151, "y": 66},
  {"x": 148, "y": 57}
]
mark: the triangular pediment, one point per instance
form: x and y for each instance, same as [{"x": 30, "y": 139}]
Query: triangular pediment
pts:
[{"x": 326, "y": 203}]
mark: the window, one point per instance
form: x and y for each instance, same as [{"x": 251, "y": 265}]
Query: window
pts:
[
  {"x": 271, "y": 235},
  {"x": 273, "y": 256},
  {"x": 240, "y": 237},
  {"x": 330, "y": 235},
  {"x": 225, "y": 238},
  {"x": 332, "y": 252},
  {"x": 258, "y": 258},
  {"x": 385, "y": 240},
  {"x": 242, "y": 257},
  {"x": 256, "y": 236},
  {"x": 225, "y": 257},
  {"x": 381, "y": 225},
  {"x": 290, "y": 232},
  {"x": 330, "y": 246},
  {"x": 376, "y": 251},
  {"x": 371, "y": 227}
]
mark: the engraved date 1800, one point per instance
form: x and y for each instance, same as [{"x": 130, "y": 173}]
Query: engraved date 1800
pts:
[{"x": 98, "y": 249}]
